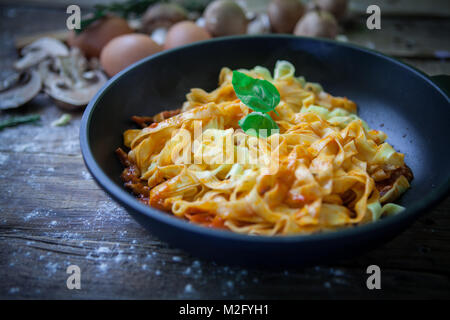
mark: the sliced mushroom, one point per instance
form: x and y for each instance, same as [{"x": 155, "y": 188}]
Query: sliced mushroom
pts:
[
  {"x": 68, "y": 81},
  {"x": 19, "y": 88},
  {"x": 73, "y": 97},
  {"x": 46, "y": 70},
  {"x": 40, "y": 50}
]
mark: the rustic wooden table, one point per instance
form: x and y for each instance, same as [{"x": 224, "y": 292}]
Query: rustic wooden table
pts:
[{"x": 52, "y": 214}]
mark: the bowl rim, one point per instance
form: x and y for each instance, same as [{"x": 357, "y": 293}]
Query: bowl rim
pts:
[{"x": 121, "y": 195}]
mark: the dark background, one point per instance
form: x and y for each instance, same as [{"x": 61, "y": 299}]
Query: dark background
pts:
[{"x": 52, "y": 214}]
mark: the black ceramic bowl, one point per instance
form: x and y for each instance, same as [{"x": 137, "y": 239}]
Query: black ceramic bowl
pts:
[{"x": 391, "y": 96}]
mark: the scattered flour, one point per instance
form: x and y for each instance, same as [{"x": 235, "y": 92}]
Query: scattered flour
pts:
[
  {"x": 103, "y": 267},
  {"x": 187, "y": 271},
  {"x": 337, "y": 272},
  {"x": 51, "y": 268},
  {"x": 38, "y": 213},
  {"x": 103, "y": 250},
  {"x": 86, "y": 175},
  {"x": 14, "y": 290},
  {"x": 188, "y": 288},
  {"x": 119, "y": 258},
  {"x": 3, "y": 158},
  {"x": 31, "y": 215},
  {"x": 31, "y": 147}
]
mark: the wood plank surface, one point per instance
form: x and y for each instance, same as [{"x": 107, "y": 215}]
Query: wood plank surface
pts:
[
  {"x": 399, "y": 37},
  {"x": 405, "y": 8},
  {"x": 422, "y": 8},
  {"x": 404, "y": 38},
  {"x": 52, "y": 215}
]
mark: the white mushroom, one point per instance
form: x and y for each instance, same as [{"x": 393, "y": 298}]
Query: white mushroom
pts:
[
  {"x": 162, "y": 15},
  {"x": 73, "y": 97},
  {"x": 40, "y": 50},
  {"x": 259, "y": 25},
  {"x": 19, "y": 88},
  {"x": 69, "y": 82}
]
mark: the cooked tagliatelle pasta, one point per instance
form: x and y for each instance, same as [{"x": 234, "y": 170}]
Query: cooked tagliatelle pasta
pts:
[{"x": 332, "y": 170}]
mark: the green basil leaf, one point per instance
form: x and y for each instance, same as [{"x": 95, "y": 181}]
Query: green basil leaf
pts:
[
  {"x": 256, "y": 121},
  {"x": 259, "y": 95}
]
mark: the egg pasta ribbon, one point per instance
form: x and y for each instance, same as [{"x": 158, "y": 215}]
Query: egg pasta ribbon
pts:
[{"x": 333, "y": 171}]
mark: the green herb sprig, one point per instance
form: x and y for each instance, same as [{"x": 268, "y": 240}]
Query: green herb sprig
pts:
[
  {"x": 133, "y": 7},
  {"x": 123, "y": 9},
  {"x": 14, "y": 121},
  {"x": 262, "y": 97},
  {"x": 62, "y": 121}
]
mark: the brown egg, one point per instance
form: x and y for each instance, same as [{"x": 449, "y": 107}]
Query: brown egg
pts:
[
  {"x": 124, "y": 50},
  {"x": 92, "y": 40},
  {"x": 185, "y": 32}
]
